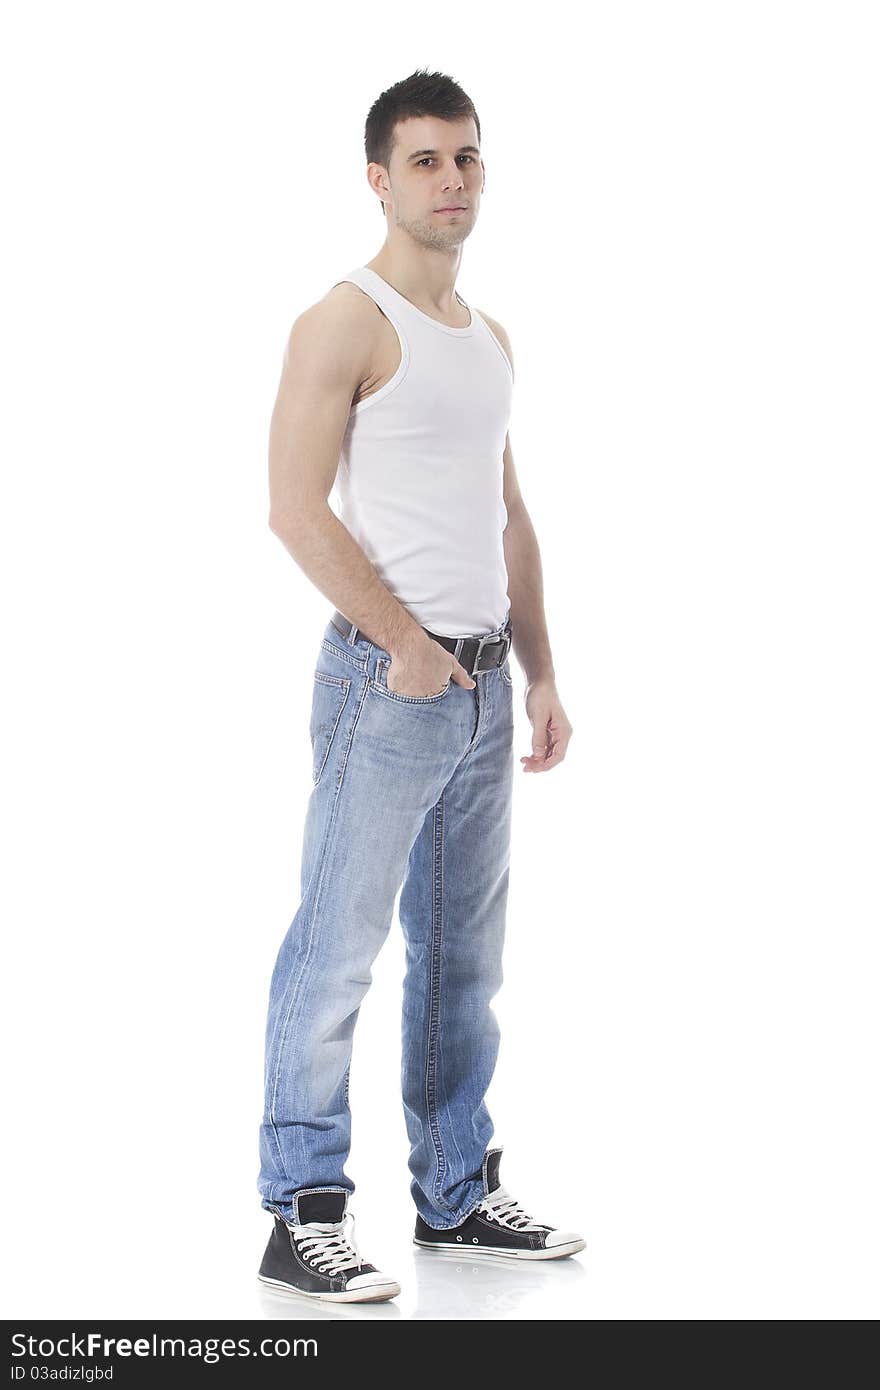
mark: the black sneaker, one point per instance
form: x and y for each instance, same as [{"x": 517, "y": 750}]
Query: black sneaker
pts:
[
  {"x": 499, "y": 1226},
  {"x": 315, "y": 1258}
]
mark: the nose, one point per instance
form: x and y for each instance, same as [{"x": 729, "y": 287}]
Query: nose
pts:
[{"x": 453, "y": 178}]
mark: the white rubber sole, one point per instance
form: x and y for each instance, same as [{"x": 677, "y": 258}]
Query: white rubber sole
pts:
[
  {"x": 375, "y": 1293},
  {"x": 472, "y": 1252}
]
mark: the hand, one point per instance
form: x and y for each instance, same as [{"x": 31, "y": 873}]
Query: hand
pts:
[
  {"x": 429, "y": 665},
  {"x": 551, "y": 730}
]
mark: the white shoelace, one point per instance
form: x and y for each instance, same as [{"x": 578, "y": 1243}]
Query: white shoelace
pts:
[
  {"x": 501, "y": 1207},
  {"x": 325, "y": 1246}
]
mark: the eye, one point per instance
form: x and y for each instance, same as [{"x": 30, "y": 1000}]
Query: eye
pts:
[{"x": 427, "y": 158}]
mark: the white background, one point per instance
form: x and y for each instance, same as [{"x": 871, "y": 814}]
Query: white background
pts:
[{"x": 679, "y": 231}]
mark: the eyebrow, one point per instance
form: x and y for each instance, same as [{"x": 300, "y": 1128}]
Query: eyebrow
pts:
[{"x": 465, "y": 149}]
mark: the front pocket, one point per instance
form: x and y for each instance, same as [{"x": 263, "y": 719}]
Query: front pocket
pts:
[
  {"x": 505, "y": 672},
  {"x": 328, "y": 701},
  {"x": 380, "y": 685}
]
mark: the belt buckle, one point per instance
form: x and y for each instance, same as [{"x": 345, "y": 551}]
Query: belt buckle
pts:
[{"x": 491, "y": 637}]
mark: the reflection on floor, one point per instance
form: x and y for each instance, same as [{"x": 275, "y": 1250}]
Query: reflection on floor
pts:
[{"x": 440, "y": 1285}]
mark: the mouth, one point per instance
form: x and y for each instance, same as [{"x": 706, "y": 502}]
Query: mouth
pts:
[{"x": 450, "y": 212}]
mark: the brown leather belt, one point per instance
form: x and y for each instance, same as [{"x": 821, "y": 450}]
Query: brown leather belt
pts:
[{"x": 474, "y": 653}]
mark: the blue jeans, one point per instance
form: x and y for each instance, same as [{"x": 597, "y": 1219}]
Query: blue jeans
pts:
[{"x": 412, "y": 791}]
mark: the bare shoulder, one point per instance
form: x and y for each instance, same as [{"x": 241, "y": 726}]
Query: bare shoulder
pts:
[
  {"x": 340, "y": 327},
  {"x": 500, "y": 333}
]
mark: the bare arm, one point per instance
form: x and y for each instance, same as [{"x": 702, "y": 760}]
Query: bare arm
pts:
[
  {"x": 551, "y": 728},
  {"x": 531, "y": 641},
  {"x": 523, "y": 559},
  {"x": 326, "y": 360}
]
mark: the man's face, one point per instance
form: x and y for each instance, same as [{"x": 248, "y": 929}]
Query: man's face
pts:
[{"x": 436, "y": 178}]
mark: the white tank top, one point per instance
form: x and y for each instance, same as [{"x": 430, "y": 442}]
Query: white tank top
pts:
[{"x": 420, "y": 476}]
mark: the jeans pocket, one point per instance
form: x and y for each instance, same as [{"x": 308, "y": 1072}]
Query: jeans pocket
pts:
[
  {"x": 505, "y": 672},
  {"x": 328, "y": 701},
  {"x": 380, "y": 684}
]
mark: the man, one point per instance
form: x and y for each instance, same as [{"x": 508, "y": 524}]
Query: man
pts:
[{"x": 398, "y": 392}]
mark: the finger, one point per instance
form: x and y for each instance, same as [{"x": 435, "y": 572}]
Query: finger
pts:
[
  {"x": 539, "y": 765},
  {"x": 551, "y": 757},
  {"x": 531, "y": 762}
]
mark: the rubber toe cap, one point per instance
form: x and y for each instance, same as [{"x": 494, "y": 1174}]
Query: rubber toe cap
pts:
[
  {"x": 555, "y": 1238},
  {"x": 376, "y": 1281}
]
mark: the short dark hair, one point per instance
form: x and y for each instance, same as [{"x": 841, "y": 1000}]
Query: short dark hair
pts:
[{"x": 423, "y": 93}]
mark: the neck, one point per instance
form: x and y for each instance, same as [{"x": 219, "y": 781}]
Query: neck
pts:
[{"x": 427, "y": 278}]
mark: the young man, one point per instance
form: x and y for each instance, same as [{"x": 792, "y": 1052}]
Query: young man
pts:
[{"x": 399, "y": 393}]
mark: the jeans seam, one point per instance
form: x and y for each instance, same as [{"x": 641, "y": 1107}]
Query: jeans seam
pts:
[
  {"x": 343, "y": 683},
  {"x": 484, "y": 713},
  {"x": 332, "y": 822},
  {"x": 333, "y": 650},
  {"x": 434, "y": 1001},
  {"x": 459, "y": 1214}
]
